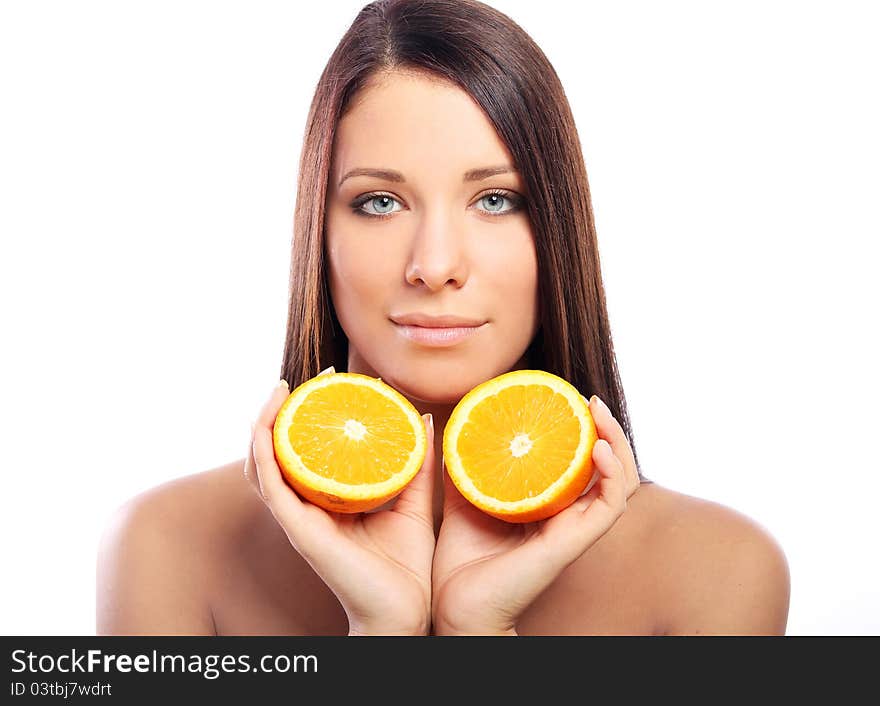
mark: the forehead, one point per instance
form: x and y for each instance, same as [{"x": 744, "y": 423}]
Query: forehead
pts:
[{"x": 417, "y": 125}]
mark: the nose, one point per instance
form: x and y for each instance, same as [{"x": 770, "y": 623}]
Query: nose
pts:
[{"x": 438, "y": 254}]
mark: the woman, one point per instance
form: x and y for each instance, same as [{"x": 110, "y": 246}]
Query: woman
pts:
[{"x": 441, "y": 176}]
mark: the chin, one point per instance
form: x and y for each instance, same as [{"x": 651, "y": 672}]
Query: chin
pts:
[{"x": 440, "y": 385}]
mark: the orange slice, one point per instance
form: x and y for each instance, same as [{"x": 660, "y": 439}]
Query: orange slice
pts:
[
  {"x": 348, "y": 442},
  {"x": 519, "y": 446}
]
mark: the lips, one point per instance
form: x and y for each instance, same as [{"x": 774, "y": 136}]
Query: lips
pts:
[
  {"x": 438, "y": 336},
  {"x": 425, "y": 320}
]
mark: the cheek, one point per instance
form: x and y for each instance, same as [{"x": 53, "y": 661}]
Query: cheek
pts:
[
  {"x": 360, "y": 276},
  {"x": 513, "y": 275}
]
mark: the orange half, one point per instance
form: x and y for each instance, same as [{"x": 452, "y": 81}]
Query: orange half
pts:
[
  {"x": 519, "y": 446},
  {"x": 348, "y": 442}
]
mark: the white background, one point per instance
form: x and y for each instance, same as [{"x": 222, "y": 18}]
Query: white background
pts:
[{"x": 148, "y": 156}]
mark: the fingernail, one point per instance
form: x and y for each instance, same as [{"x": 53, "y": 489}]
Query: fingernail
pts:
[
  {"x": 283, "y": 384},
  {"x": 431, "y": 423},
  {"x": 329, "y": 370}
]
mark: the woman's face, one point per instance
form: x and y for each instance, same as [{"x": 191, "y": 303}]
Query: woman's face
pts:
[{"x": 447, "y": 246}]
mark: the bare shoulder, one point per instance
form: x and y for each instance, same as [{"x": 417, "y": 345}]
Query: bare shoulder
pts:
[
  {"x": 716, "y": 570},
  {"x": 156, "y": 557}
]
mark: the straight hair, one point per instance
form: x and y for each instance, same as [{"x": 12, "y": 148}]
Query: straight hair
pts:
[{"x": 485, "y": 53}]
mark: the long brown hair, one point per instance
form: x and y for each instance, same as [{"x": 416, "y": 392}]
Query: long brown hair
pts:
[{"x": 489, "y": 56}]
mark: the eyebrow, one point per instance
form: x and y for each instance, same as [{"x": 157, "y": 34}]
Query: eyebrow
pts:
[{"x": 391, "y": 175}]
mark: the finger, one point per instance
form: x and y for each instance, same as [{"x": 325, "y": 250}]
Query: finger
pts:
[
  {"x": 284, "y": 503},
  {"x": 453, "y": 500},
  {"x": 608, "y": 427},
  {"x": 250, "y": 466},
  {"x": 266, "y": 417},
  {"x": 610, "y": 480},
  {"x": 606, "y": 466},
  {"x": 416, "y": 500},
  {"x": 611, "y": 430},
  {"x": 568, "y": 534},
  {"x": 268, "y": 473},
  {"x": 563, "y": 538}
]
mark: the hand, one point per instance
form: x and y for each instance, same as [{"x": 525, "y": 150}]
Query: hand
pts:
[
  {"x": 487, "y": 571},
  {"x": 377, "y": 564}
]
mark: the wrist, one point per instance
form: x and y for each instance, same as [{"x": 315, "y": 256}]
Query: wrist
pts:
[
  {"x": 480, "y": 632},
  {"x": 378, "y": 630},
  {"x": 384, "y": 633},
  {"x": 449, "y": 629}
]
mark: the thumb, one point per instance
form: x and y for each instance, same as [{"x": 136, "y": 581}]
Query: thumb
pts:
[
  {"x": 453, "y": 500},
  {"x": 417, "y": 498}
]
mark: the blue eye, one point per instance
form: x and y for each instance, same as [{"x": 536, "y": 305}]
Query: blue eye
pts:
[
  {"x": 380, "y": 201},
  {"x": 382, "y": 204},
  {"x": 498, "y": 197}
]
